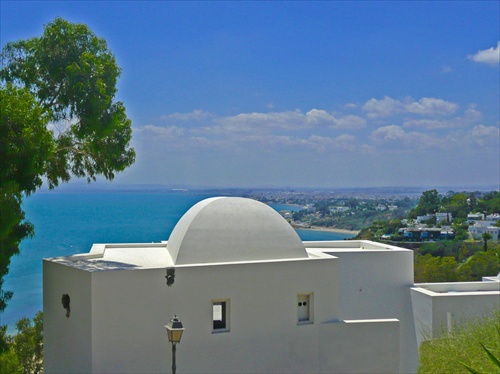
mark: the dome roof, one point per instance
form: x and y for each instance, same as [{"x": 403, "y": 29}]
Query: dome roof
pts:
[{"x": 227, "y": 229}]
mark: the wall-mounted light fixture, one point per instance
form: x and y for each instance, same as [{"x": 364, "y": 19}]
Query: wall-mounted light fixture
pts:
[
  {"x": 170, "y": 276},
  {"x": 65, "y": 303}
]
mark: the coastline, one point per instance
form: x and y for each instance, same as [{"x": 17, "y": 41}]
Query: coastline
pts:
[{"x": 330, "y": 229}]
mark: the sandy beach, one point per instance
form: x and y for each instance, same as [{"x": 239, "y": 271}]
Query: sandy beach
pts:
[
  {"x": 331, "y": 229},
  {"x": 334, "y": 229}
]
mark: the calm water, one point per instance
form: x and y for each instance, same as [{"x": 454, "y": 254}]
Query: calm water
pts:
[{"x": 69, "y": 223}]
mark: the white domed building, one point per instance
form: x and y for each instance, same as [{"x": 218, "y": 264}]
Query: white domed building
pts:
[{"x": 251, "y": 295}]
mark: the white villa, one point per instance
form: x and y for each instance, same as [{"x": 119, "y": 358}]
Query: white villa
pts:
[
  {"x": 252, "y": 298},
  {"x": 480, "y": 227}
]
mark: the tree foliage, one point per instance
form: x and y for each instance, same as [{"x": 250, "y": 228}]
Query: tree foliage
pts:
[
  {"x": 479, "y": 265},
  {"x": 429, "y": 203},
  {"x": 490, "y": 203},
  {"x": 72, "y": 74},
  {"x": 486, "y": 236},
  {"x": 435, "y": 269},
  {"x": 23, "y": 352},
  {"x": 58, "y": 119},
  {"x": 459, "y": 205},
  {"x": 435, "y": 265}
]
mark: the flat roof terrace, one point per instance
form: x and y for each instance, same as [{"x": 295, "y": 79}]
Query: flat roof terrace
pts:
[
  {"x": 350, "y": 246},
  {"x": 459, "y": 288},
  {"x": 116, "y": 256}
]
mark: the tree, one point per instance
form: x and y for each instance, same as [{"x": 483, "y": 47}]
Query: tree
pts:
[
  {"x": 28, "y": 343},
  {"x": 24, "y": 144},
  {"x": 23, "y": 352},
  {"x": 435, "y": 269},
  {"x": 463, "y": 253},
  {"x": 490, "y": 203},
  {"x": 428, "y": 204},
  {"x": 486, "y": 236},
  {"x": 458, "y": 205},
  {"x": 480, "y": 265},
  {"x": 58, "y": 119}
]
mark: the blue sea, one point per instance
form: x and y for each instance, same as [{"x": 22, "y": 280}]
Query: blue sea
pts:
[{"x": 67, "y": 223}]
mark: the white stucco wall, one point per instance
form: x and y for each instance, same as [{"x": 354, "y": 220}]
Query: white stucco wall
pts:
[
  {"x": 67, "y": 341},
  {"x": 360, "y": 346},
  {"x": 438, "y": 307},
  {"x": 130, "y": 307},
  {"x": 375, "y": 284}
]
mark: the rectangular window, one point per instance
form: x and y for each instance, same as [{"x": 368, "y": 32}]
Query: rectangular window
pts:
[
  {"x": 220, "y": 315},
  {"x": 305, "y": 308}
]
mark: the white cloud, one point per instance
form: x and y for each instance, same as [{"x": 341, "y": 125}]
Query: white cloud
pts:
[
  {"x": 382, "y": 108},
  {"x": 321, "y": 131},
  {"x": 389, "y": 133},
  {"x": 291, "y": 120},
  {"x": 488, "y": 56},
  {"x": 317, "y": 116},
  {"x": 349, "y": 123},
  {"x": 485, "y": 131},
  {"x": 158, "y": 131},
  {"x": 282, "y": 120},
  {"x": 195, "y": 115},
  {"x": 429, "y": 124},
  {"x": 471, "y": 116},
  {"x": 431, "y": 106},
  {"x": 314, "y": 143},
  {"x": 399, "y": 138},
  {"x": 322, "y": 117},
  {"x": 426, "y": 106},
  {"x": 484, "y": 135}
]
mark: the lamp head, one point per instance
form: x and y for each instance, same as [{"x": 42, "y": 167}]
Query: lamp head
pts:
[{"x": 174, "y": 330}]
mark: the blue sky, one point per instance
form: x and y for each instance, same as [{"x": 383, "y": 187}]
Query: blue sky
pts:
[{"x": 301, "y": 94}]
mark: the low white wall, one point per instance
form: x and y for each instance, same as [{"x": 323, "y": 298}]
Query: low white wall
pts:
[
  {"x": 436, "y": 313},
  {"x": 460, "y": 286},
  {"x": 422, "y": 315},
  {"x": 368, "y": 346},
  {"x": 375, "y": 284}
]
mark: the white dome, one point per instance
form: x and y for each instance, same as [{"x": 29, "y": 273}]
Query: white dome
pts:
[{"x": 227, "y": 229}]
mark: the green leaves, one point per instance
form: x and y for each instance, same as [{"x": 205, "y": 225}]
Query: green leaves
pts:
[
  {"x": 25, "y": 142},
  {"x": 428, "y": 204},
  {"x": 23, "y": 352},
  {"x": 73, "y": 75},
  {"x": 64, "y": 81}
]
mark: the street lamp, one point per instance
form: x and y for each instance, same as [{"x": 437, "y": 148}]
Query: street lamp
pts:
[{"x": 174, "y": 333}]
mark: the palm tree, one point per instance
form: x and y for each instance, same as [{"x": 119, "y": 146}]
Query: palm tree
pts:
[{"x": 486, "y": 236}]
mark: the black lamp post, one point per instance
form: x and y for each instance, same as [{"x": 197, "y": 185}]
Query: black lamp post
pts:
[{"x": 174, "y": 333}]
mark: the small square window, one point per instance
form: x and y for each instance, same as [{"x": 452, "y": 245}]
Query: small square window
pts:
[
  {"x": 304, "y": 308},
  {"x": 220, "y": 315}
]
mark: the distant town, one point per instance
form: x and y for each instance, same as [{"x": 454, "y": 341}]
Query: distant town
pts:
[
  {"x": 466, "y": 214},
  {"x": 454, "y": 235}
]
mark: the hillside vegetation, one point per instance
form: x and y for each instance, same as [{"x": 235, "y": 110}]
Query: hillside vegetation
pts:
[
  {"x": 463, "y": 347},
  {"x": 457, "y": 259}
]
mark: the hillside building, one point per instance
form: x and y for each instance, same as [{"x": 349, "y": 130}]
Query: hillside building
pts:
[{"x": 251, "y": 295}]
